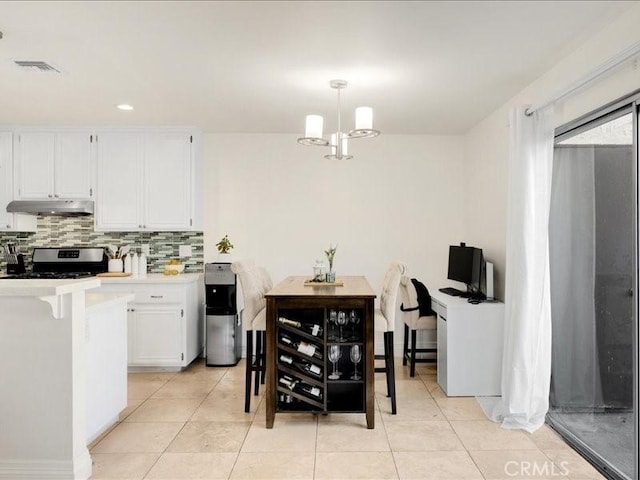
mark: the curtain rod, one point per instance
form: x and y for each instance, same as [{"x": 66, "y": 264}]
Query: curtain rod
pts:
[{"x": 601, "y": 70}]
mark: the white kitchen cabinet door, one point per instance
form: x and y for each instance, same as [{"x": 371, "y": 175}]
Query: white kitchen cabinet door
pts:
[
  {"x": 119, "y": 193},
  {"x": 167, "y": 181},
  {"x": 156, "y": 335},
  {"x": 35, "y": 153},
  {"x": 6, "y": 182},
  {"x": 52, "y": 165},
  {"x": 10, "y": 221},
  {"x": 72, "y": 170}
]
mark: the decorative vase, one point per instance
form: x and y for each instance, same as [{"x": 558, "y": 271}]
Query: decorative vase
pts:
[
  {"x": 225, "y": 258},
  {"x": 331, "y": 277},
  {"x": 318, "y": 272},
  {"x": 115, "y": 265}
]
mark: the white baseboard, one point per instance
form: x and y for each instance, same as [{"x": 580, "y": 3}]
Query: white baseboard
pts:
[{"x": 80, "y": 469}]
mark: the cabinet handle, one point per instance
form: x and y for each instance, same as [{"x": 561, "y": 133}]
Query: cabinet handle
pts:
[
  {"x": 139, "y": 226},
  {"x": 157, "y": 296},
  {"x": 56, "y": 195},
  {"x": 50, "y": 196}
]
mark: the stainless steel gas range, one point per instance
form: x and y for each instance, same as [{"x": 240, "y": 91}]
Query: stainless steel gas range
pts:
[{"x": 65, "y": 263}]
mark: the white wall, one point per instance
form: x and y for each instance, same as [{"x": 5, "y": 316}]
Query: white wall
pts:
[
  {"x": 487, "y": 143},
  {"x": 400, "y": 198}
]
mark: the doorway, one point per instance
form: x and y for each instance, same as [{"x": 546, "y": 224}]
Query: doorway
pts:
[{"x": 593, "y": 266}]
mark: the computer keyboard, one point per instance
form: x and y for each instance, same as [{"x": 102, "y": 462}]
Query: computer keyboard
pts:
[{"x": 454, "y": 292}]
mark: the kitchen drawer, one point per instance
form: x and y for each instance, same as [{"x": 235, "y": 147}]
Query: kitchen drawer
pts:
[
  {"x": 153, "y": 294},
  {"x": 159, "y": 295}
]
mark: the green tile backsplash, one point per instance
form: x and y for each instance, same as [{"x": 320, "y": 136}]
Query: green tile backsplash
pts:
[{"x": 77, "y": 231}]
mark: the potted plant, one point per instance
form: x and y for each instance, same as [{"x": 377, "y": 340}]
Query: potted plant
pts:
[
  {"x": 331, "y": 275},
  {"x": 224, "y": 247}
]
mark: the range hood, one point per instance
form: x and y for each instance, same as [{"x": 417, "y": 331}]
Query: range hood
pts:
[{"x": 52, "y": 207}]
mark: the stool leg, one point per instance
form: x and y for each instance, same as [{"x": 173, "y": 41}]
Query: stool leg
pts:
[
  {"x": 258, "y": 362},
  {"x": 263, "y": 372},
  {"x": 247, "y": 387},
  {"x": 412, "y": 372},
  {"x": 405, "y": 343},
  {"x": 391, "y": 373},
  {"x": 386, "y": 362}
]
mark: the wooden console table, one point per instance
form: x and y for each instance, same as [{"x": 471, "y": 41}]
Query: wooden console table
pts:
[{"x": 303, "y": 324}]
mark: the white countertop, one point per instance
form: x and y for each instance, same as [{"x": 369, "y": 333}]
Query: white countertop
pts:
[
  {"x": 155, "y": 278},
  {"x": 95, "y": 301},
  {"x": 40, "y": 288}
]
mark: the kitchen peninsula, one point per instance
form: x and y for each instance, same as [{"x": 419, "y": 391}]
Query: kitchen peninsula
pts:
[{"x": 44, "y": 357}]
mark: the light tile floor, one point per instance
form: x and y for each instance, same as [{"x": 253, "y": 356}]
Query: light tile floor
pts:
[{"x": 191, "y": 425}]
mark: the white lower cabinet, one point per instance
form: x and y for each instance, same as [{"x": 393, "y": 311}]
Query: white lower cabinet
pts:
[
  {"x": 164, "y": 323},
  {"x": 155, "y": 335}
]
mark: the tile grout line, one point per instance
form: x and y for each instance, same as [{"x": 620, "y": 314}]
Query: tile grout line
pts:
[
  {"x": 183, "y": 425},
  {"x": 245, "y": 435},
  {"x": 466, "y": 450}
]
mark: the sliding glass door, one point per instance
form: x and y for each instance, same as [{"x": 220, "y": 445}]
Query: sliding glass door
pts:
[{"x": 593, "y": 263}]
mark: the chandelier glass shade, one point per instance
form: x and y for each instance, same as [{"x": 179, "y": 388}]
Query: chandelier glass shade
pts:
[{"x": 338, "y": 143}]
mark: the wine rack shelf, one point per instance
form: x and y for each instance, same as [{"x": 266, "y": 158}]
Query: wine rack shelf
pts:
[{"x": 320, "y": 353}]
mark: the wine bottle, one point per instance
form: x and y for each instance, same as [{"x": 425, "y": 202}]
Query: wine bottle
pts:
[
  {"x": 309, "y": 390},
  {"x": 288, "y": 382},
  {"x": 304, "y": 366},
  {"x": 312, "y": 329},
  {"x": 308, "y": 349}
]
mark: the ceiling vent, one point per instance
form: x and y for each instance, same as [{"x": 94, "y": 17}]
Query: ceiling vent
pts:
[{"x": 36, "y": 65}]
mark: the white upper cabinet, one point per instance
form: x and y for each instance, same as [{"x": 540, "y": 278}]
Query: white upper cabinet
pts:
[
  {"x": 10, "y": 221},
  {"x": 145, "y": 181},
  {"x": 119, "y": 196},
  {"x": 53, "y": 164},
  {"x": 167, "y": 186},
  {"x": 72, "y": 172}
]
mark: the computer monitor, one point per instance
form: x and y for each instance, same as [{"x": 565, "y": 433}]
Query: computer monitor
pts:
[{"x": 466, "y": 266}]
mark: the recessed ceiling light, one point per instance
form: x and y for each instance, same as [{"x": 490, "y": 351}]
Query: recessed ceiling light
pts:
[{"x": 124, "y": 106}]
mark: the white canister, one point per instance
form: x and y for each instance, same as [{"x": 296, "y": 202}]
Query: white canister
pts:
[
  {"x": 134, "y": 264},
  {"x": 127, "y": 264},
  {"x": 115, "y": 265},
  {"x": 142, "y": 265}
]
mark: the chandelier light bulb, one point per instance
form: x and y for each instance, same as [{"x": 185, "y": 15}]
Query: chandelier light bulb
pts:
[
  {"x": 345, "y": 148},
  {"x": 364, "y": 118},
  {"x": 334, "y": 143},
  {"x": 313, "y": 126}
]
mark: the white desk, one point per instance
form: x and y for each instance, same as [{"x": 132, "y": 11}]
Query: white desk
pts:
[{"x": 470, "y": 339}]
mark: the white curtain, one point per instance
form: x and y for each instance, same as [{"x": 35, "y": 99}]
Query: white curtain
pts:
[
  {"x": 526, "y": 363},
  {"x": 575, "y": 375}
]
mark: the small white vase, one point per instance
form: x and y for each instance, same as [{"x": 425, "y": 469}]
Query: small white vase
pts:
[
  {"x": 115, "y": 265},
  {"x": 225, "y": 258}
]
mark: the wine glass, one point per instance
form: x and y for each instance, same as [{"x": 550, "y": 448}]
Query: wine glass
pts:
[
  {"x": 356, "y": 356},
  {"x": 342, "y": 321},
  {"x": 333, "y": 318},
  {"x": 334, "y": 356},
  {"x": 354, "y": 319}
]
